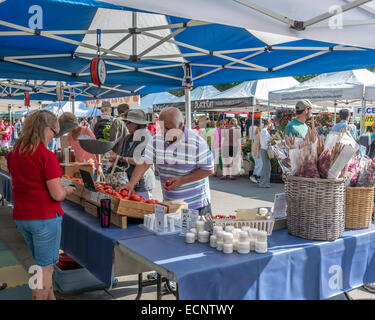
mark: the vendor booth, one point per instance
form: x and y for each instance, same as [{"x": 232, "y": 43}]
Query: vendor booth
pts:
[{"x": 303, "y": 248}]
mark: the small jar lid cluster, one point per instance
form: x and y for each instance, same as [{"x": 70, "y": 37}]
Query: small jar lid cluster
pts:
[{"x": 230, "y": 239}]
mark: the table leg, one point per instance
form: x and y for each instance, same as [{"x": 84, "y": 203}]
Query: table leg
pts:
[
  {"x": 140, "y": 286},
  {"x": 158, "y": 287}
]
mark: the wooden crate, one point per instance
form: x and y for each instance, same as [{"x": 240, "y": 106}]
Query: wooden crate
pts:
[
  {"x": 131, "y": 208},
  {"x": 173, "y": 207},
  {"x": 117, "y": 220},
  {"x": 91, "y": 208},
  {"x": 74, "y": 198},
  {"x": 72, "y": 169}
]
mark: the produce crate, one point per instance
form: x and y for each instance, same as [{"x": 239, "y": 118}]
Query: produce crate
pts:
[
  {"x": 91, "y": 208},
  {"x": 131, "y": 208},
  {"x": 72, "y": 169},
  {"x": 74, "y": 198},
  {"x": 117, "y": 220},
  {"x": 173, "y": 206}
]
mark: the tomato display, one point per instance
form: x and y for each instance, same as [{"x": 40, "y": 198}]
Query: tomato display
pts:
[{"x": 168, "y": 183}]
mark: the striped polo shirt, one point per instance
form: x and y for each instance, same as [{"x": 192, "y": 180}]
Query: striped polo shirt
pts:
[{"x": 179, "y": 159}]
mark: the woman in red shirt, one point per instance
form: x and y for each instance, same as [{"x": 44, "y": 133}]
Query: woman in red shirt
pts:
[{"x": 37, "y": 193}]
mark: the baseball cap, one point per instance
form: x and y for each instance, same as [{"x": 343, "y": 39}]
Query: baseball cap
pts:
[
  {"x": 303, "y": 104},
  {"x": 106, "y": 104}
]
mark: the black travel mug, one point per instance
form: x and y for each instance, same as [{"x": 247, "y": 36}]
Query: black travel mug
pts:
[{"x": 105, "y": 213}]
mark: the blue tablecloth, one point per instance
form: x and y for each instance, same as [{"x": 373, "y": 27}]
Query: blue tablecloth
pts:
[
  {"x": 6, "y": 186},
  {"x": 90, "y": 245},
  {"x": 293, "y": 268}
]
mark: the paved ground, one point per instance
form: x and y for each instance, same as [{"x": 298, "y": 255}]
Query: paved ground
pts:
[{"x": 226, "y": 196}]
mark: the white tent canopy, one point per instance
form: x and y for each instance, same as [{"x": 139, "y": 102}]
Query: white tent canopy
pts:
[
  {"x": 258, "y": 89},
  {"x": 344, "y": 85},
  {"x": 200, "y": 93},
  {"x": 349, "y": 22},
  {"x": 370, "y": 92}
]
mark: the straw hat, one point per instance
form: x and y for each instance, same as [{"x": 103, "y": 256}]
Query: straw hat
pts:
[{"x": 137, "y": 116}]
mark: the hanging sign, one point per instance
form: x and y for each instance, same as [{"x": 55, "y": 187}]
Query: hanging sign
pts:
[
  {"x": 27, "y": 99},
  {"x": 59, "y": 91},
  {"x": 98, "y": 71}
]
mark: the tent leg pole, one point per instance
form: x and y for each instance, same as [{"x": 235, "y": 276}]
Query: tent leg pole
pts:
[
  {"x": 252, "y": 124},
  {"x": 187, "y": 107},
  {"x": 363, "y": 117},
  {"x": 335, "y": 104}
]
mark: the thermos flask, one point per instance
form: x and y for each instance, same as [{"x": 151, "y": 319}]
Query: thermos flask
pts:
[{"x": 105, "y": 213}]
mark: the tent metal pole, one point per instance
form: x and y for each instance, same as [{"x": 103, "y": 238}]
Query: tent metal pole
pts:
[
  {"x": 252, "y": 120},
  {"x": 187, "y": 107},
  {"x": 335, "y": 104},
  {"x": 363, "y": 116}
]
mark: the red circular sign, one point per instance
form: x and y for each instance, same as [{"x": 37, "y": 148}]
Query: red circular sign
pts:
[{"x": 98, "y": 71}]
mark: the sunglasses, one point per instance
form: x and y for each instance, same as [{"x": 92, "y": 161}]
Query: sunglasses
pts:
[{"x": 54, "y": 131}]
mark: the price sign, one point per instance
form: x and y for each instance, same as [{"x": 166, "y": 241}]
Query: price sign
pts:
[
  {"x": 159, "y": 217},
  {"x": 279, "y": 206},
  {"x": 184, "y": 221},
  {"x": 94, "y": 197}
]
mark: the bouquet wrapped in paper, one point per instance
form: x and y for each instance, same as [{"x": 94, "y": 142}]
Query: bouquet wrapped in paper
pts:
[{"x": 364, "y": 175}]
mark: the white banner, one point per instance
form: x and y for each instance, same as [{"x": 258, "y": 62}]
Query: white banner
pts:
[
  {"x": 132, "y": 101},
  {"x": 369, "y": 111}
]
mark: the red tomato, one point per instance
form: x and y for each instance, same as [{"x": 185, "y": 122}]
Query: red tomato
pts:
[
  {"x": 168, "y": 183},
  {"x": 116, "y": 194},
  {"x": 124, "y": 193},
  {"x": 135, "y": 197}
]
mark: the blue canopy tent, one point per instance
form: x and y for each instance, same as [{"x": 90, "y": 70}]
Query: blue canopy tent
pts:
[{"x": 147, "y": 52}]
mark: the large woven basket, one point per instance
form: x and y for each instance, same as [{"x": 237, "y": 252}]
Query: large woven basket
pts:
[
  {"x": 359, "y": 207},
  {"x": 315, "y": 207}
]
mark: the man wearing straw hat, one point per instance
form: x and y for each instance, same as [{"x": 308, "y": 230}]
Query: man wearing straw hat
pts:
[{"x": 134, "y": 145}]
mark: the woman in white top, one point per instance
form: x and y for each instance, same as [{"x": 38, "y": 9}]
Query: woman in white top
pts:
[{"x": 265, "y": 139}]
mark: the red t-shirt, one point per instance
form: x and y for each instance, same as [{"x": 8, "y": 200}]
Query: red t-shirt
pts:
[{"x": 29, "y": 173}]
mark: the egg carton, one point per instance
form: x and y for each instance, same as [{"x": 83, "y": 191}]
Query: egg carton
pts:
[{"x": 262, "y": 225}]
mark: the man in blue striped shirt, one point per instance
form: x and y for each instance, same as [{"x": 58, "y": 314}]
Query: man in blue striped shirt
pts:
[{"x": 183, "y": 159}]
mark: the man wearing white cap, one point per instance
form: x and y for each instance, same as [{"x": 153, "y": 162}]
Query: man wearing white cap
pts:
[{"x": 298, "y": 127}]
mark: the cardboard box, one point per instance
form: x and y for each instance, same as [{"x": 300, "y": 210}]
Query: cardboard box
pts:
[
  {"x": 174, "y": 206},
  {"x": 72, "y": 169}
]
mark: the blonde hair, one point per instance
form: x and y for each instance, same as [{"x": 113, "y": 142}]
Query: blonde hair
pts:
[
  {"x": 32, "y": 133},
  {"x": 233, "y": 122},
  {"x": 220, "y": 124}
]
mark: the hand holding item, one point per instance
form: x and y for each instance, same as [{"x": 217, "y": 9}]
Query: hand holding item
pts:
[
  {"x": 69, "y": 189},
  {"x": 173, "y": 184},
  {"x": 128, "y": 187}
]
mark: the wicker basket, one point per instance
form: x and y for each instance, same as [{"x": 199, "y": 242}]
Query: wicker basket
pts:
[
  {"x": 315, "y": 207},
  {"x": 359, "y": 207}
]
